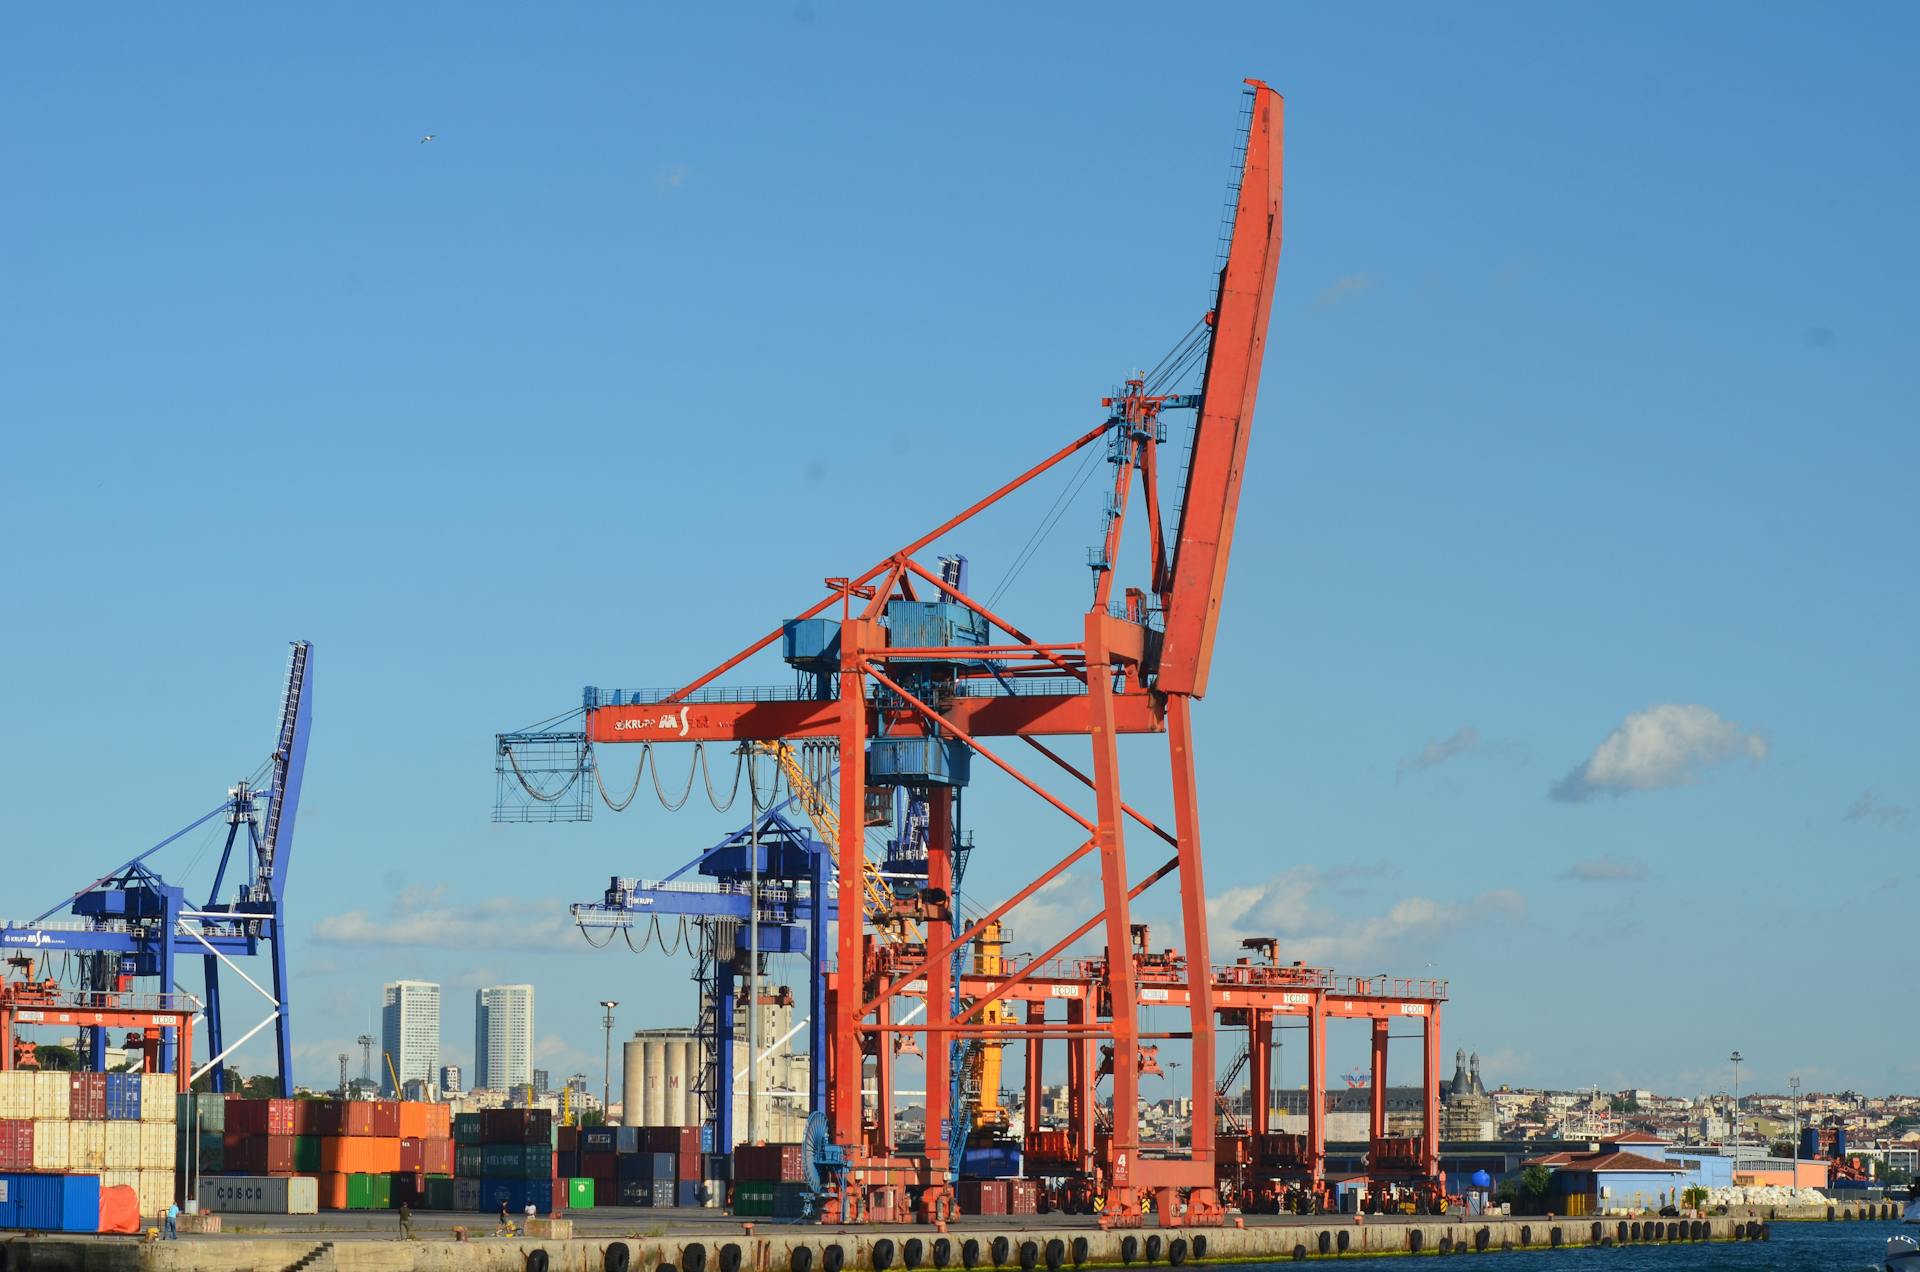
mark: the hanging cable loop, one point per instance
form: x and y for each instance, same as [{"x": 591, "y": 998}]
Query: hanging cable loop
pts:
[
  {"x": 534, "y": 791},
  {"x": 646, "y": 749}
]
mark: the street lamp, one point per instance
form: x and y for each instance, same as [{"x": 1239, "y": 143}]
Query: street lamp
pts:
[
  {"x": 1736, "y": 1057},
  {"x": 606, "y": 1062}
]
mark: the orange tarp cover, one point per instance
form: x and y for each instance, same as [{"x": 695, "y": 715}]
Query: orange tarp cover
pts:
[{"x": 119, "y": 1209}]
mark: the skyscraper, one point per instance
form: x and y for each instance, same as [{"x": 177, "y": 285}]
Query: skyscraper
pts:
[
  {"x": 410, "y": 1033},
  {"x": 503, "y": 1036},
  {"x": 450, "y": 1080}
]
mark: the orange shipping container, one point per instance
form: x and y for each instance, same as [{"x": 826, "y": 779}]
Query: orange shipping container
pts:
[
  {"x": 360, "y": 1154},
  {"x": 436, "y": 1156},
  {"x": 439, "y": 1121},
  {"x": 333, "y": 1191},
  {"x": 413, "y": 1120}
]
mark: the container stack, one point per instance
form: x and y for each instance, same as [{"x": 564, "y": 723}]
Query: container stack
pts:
[
  {"x": 636, "y": 1166},
  {"x": 513, "y": 1160},
  {"x": 769, "y": 1181},
  {"x": 65, "y": 1136}
]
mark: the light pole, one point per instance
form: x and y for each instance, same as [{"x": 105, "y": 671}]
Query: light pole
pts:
[
  {"x": 606, "y": 1064},
  {"x": 1736, "y": 1058}
]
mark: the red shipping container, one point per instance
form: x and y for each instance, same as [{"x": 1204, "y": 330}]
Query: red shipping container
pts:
[
  {"x": 332, "y": 1187},
  {"x": 342, "y": 1117},
  {"x": 689, "y": 1167},
  {"x": 385, "y": 1119},
  {"x": 410, "y": 1161},
  {"x": 770, "y": 1163},
  {"x": 16, "y": 1145},
  {"x": 262, "y": 1117},
  {"x": 436, "y": 1156},
  {"x": 599, "y": 1166},
  {"x": 274, "y": 1154},
  {"x": 569, "y": 1140},
  {"x": 516, "y": 1126},
  {"x": 239, "y": 1159},
  {"x": 983, "y": 1196},
  {"x": 306, "y": 1115},
  {"x": 439, "y": 1122},
  {"x": 678, "y": 1140},
  {"x": 87, "y": 1097},
  {"x": 1023, "y": 1196}
]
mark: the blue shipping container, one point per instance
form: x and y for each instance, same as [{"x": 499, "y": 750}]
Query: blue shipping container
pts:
[
  {"x": 626, "y": 1139},
  {"x": 646, "y": 1166},
  {"x": 597, "y": 1139},
  {"x": 518, "y": 1194},
  {"x": 565, "y": 1164},
  {"x": 50, "y": 1203},
  {"x": 123, "y": 1097},
  {"x": 687, "y": 1193}
]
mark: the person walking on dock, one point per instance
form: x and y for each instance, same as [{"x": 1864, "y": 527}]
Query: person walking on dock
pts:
[
  {"x": 173, "y": 1221},
  {"x": 406, "y": 1221}
]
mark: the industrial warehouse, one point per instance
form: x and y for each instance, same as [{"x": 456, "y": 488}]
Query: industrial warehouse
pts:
[{"x": 961, "y": 990}]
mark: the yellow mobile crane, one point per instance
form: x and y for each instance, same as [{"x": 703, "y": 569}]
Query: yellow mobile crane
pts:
[{"x": 826, "y": 819}]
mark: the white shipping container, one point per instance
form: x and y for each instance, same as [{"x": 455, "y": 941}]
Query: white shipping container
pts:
[
  {"x": 156, "y": 1192},
  {"x": 156, "y": 1144},
  {"x": 16, "y": 1096},
  {"x": 120, "y": 1179},
  {"x": 156, "y": 1097},
  {"x": 86, "y": 1146},
  {"x": 51, "y": 1095},
  {"x": 261, "y": 1194},
  {"x": 50, "y": 1144},
  {"x": 123, "y": 1145}
]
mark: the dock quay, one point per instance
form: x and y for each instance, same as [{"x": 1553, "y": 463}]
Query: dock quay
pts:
[{"x": 716, "y": 1246}]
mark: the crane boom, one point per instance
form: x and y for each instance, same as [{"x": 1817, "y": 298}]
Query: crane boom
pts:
[
  {"x": 1212, "y": 496},
  {"x": 826, "y": 819}
]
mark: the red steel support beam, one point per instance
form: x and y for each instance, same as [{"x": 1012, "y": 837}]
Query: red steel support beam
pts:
[
  {"x": 1211, "y": 502},
  {"x": 1193, "y": 918},
  {"x": 1317, "y": 1090},
  {"x": 1259, "y": 1073},
  {"x": 848, "y": 927},
  {"x": 1377, "y": 1097},
  {"x": 1430, "y": 1096},
  {"x": 1110, "y": 836}
]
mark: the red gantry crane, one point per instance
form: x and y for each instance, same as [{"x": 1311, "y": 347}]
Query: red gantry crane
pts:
[{"x": 917, "y": 684}]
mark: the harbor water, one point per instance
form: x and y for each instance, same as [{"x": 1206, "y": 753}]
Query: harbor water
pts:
[{"x": 1793, "y": 1247}]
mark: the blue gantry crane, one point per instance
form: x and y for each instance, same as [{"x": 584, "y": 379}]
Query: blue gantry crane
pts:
[
  {"x": 771, "y": 873},
  {"x": 131, "y": 925}
]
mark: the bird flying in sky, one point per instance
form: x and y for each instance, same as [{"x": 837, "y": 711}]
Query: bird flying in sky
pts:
[{"x": 424, "y": 140}]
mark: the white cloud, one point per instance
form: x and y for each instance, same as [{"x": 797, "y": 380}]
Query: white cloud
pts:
[
  {"x": 427, "y": 917},
  {"x": 1606, "y": 870},
  {"x": 1663, "y": 746},
  {"x": 1868, "y": 808},
  {"x": 1463, "y": 741},
  {"x": 671, "y": 178},
  {"x": 1292, "y": 907}
]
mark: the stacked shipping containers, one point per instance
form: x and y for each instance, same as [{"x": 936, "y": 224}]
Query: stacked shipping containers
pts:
[
  {"x": 512, "y": 1160},
  {"x": 113, "y": 1128},
  {"x": 362, "y": 1154},
  {"x": 769, "y": 1181}
]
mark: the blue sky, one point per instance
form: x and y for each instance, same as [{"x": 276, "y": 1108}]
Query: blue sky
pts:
[{"x": 1588, "y": 410}]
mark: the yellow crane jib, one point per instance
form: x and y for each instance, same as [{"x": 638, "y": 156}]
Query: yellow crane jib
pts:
[{"x": 826, "y": 820}]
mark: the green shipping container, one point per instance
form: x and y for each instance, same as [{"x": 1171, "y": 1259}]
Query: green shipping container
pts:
[
  {"x": 516, "y": 1161},
  {"x": 753, "y": 1198},
  {"x": 381, "y": 1189},
  {"x": 579, "y": 1194},
  {"x": 466, "y": 1128},
  {"x": 466, "y": 1161},
  {"x": 439, "y": 1192},
  {"x": 360, "y": 1191},
  {"x": 306, "y": 1154}
]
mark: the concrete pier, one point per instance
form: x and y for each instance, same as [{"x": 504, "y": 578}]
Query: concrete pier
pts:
[{"x": 796, "y": 1248}]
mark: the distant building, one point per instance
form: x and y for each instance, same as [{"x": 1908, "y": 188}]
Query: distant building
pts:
[
  {"x": 450, "y": 1078},
  {"x": 542, "y": 1082},
  {"x": 409, "y": 1033},
  {"x": 1466, "y": 1110},
  {"x": 503, "y": 1036}
]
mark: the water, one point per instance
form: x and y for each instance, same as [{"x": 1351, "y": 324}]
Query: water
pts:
[{"x": 1796, "y": 1247}]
